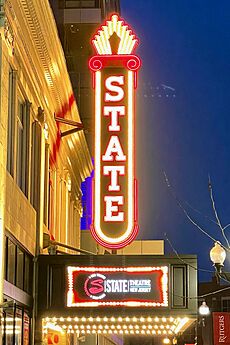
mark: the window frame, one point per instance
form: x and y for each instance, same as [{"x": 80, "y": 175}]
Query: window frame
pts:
[
  {"x": 224, "y": 299},
  {"x": 23, "y": 130},
  {"x": 12, "y": 88},
  {"x": 26, "y": 254}
]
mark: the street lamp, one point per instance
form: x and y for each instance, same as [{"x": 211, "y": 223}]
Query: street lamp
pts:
[
  {"x": 218, "y": 256},
  {"x": 204, "y": 309}
]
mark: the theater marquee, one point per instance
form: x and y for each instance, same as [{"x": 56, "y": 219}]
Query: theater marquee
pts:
[
  {"x": 117, "y": 286},
  {"x": 114, "y": 80}
]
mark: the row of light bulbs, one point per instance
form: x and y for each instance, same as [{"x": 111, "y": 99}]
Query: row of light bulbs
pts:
[
  {"x": 110, "y": 331},
  {"x": 115, "y": 326},
  {"x": 112, "y": 319},
  {"x": 118, "y": 269}
]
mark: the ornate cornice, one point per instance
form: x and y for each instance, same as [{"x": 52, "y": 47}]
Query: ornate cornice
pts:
[{"x": 39, "y": 52}]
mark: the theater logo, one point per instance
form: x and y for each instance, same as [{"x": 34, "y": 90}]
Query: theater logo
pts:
[
  {"x": 117, "y": 286},
  {"x": 97, "y": 285}
]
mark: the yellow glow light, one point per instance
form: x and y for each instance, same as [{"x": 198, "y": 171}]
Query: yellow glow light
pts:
[
  {"x": 97, "y": 212},
  {"x": 127, "y": 39},
  {"x": 181, "y": 324}
]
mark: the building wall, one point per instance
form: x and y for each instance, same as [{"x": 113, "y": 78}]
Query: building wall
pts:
[{"x": 40, "y": 171}]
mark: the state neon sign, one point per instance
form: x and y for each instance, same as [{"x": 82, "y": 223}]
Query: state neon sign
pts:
[
  {"x": 115, "y": 189},
  {"x": 117, "y": 286}
]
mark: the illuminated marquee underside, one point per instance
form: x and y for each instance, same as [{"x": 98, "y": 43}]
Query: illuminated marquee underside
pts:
[
  {"x": 117, "y": 286},
  {"x": 115, "y": 189},
  {"x": 148, "y": 326}
]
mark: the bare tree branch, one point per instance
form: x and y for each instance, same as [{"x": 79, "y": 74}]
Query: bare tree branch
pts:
[
  {"x": 187, "y": 214},
  {"x": 226, "y": 226},
  {"x": 201, "y": 213},
  {"x": 215, "y": 211},
  {"x": 182, "y": 260}
]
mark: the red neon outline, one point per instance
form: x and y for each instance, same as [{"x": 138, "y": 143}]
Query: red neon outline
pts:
[
  {"x": 163, "y": 288},
  {"x": 118, "y": 211},
  {"x": 109, "y": 93},
  {"x": 110, "y": 174},
  {"x": 117, "y": 245},
  {"x": 131, "y": 62},
  {"x": 105, "y": 160},
  {"x": 110, "y": 116},
  {"x": 124, "y": 213},
  {"x": 136, "y": 198}
]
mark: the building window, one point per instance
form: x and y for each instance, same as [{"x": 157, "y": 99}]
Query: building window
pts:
[
  {"x": 18, "y": 266},
  {"x": 11, "y": 122},
  {"x": 225, "y": 301},
  {"x": 28, "y": 274},
  {"x": 23, "y": 141},
  {"x": 51, "y": 205},
  {"x": 81, "y": 4},
  {"x": 46, "y": 186},
  {"x": 11, "y": 258},
  {"x": 35, "y": 165}
]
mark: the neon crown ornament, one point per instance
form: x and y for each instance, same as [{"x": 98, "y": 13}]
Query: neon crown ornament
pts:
[{"x": 115, "y": 30}]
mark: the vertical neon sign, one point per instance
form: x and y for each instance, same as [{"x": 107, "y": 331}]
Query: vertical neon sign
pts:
[{"x": 114, "y": 79}]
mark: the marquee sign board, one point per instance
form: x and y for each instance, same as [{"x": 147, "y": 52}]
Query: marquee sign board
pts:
[
  {"x": 114, "y": 79},
  {"x": 117, "y": 286}
]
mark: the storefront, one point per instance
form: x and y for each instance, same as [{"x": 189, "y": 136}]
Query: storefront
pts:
[
  {"x": 16, "y": 325},
  {"x": 115, "y": 295},
  {"x": 17, "y": 307}
]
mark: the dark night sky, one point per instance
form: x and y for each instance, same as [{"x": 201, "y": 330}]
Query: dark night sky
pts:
[{"x": 184, "y": 44}]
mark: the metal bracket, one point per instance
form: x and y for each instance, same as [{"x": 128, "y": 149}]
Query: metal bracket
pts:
[{"x": 78, "y": 125}]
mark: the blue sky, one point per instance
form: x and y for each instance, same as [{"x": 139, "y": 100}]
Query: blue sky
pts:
[{"x": 183, "y": 130}]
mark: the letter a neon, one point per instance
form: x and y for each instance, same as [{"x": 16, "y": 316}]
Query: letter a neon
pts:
[{"x": 114, "y": 146}]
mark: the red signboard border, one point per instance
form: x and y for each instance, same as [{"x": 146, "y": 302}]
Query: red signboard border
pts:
[{"x": 163, "y": 287}]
